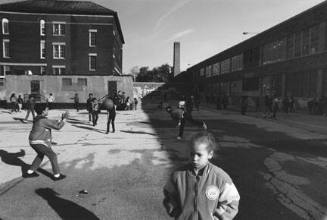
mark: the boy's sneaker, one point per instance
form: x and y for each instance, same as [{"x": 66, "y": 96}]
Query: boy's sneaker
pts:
[
  {"x": 61, "y": 177},
  {"x": 30, "y": 175},
  {"x": 179, "y": 138}
]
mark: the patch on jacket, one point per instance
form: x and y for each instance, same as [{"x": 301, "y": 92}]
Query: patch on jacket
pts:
[{"x": 212, "y": 192}]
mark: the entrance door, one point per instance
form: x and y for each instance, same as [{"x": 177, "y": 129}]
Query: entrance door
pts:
[
  {"x": 35, "y": 90},
  {"x": 112, "y": 88}
]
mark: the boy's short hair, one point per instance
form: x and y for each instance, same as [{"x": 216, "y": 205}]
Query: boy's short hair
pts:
[
  {"x": 205, "y": 137},
  {"x": 39, "y": 108}
]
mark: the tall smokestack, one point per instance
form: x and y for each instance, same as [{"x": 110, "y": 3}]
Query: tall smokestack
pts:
[{"x": 177, "y": 59}]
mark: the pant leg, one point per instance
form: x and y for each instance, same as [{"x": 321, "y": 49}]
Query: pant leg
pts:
[
  {"x": 33, "y": 113},
  {"x": 38, "y": 159},
  {"x": 113, "y": 122},
  {"x": 90, "y": 116},
  {"x": 93, "y": 117},
  {"x": 108, "y": 124},
  {"x": 181, "y": 128},
  {"x": 96, "y": 117},
  {"x": 47, "y": 151},
  {"x": 28, "y": 113}
]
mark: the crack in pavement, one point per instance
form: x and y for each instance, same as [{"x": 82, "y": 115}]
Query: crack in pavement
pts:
[{"x": 286, "y": 187}]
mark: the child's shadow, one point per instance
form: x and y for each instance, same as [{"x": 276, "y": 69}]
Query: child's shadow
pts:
[
  {"x": 64, "y": 208},
  {"x": 14, "y": 160}
]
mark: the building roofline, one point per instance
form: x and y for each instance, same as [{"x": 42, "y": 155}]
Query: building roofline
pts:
[
  {"x": 264, "y": 33},
  {"x": 62, "y": 8}
]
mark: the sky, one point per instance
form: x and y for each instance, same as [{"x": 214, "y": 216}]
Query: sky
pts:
[{"x": 203, "y": 27}]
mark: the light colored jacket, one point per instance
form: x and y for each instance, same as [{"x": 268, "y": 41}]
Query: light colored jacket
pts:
[
  {"x": 41, "y": 130},
  {"x": 210, "y": 195}
]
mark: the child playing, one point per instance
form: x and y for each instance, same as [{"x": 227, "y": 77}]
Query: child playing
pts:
[
  {"x": 179, "y": 116},
  {"x": 40, "y": 140},
  {"x": 111, "y": 109},
  {"x": 201, "y": 190}
]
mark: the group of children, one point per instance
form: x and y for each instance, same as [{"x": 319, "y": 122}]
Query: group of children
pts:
[
  {"x": 94, "y": 105},
  {"x": 198, "y": 190},
  {"x": 16, "y": 103}
]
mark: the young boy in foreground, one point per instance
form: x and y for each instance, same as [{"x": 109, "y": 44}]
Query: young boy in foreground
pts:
[
  {"x": 201, "y": 190},
  {"x": 40, "y": 139}
]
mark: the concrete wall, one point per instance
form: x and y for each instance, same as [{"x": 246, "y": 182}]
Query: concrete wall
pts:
[
  {"x": 157, "y": 90},
  {"x": 98, "y": 85}
]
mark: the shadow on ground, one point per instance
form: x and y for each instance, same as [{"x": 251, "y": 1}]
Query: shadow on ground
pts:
[
  {"x": 244, "y": 165},
  {"x": 64, "y": 208}
]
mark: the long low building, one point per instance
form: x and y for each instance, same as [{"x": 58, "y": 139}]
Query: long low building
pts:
[{"x": 289, "y": 59}]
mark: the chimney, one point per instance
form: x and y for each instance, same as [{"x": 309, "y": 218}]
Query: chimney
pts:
[{"x": 176, "y": 61}]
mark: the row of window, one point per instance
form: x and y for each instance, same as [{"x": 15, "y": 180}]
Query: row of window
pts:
[
  {"x": 58, "y": 29},
  {"x": 303, "y": 43},
  {"x": 69, "y": 82},
  {"x": 66, "y": 82},
  {"x": 58, "y": 47},
  {"x": 225, "y": 66},
  {"x": 57, "y": 69}
]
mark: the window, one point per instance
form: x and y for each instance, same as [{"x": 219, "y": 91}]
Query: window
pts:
[
  {"x": 302, "y": 84},
  {"x": 67, "y": 82},
  {"x": 2, "y": 82},
  {"x": 42, "y": 27},
  {"x": 58, "y": 70},
  {"x": 290, "y": 46},
  {"x": 274, "y": 51},
  {"x": 42, "y": 70},
  {"x": 92, "y": 37},
  {"x": 58, "y": 29},
  {"x": 305, "y": 42},
  {"x": 225, "y": 66},
  {"x": 92, "y": 62},
  {"x": 82, "y": 81},
  {"x": 208, "y": 71},
  {"x": 314, "y": 40},
  {"x": 297, "y": 44},
  {"x": 5, "y": 70},
  {"x": 216, "y": 69},
  {"x": 5, "y": 26},
  {"x": 42, "y": 49},
  {"x": 202, "y": 72},
  {"x": 251, "y": 84},
  {"x": 5, "y": 48},
  {"x": 58, "y": 50},
  {"x": 237, "y": 62}
]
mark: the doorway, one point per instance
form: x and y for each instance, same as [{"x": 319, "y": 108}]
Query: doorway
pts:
[
  {"x": 35, "y": 90},
  {"x": 112, "y": 88}
]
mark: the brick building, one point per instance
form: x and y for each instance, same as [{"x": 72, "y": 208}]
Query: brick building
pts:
[
  {"x": 289, "y": 59},
  {"x": 62, "y": 39}
]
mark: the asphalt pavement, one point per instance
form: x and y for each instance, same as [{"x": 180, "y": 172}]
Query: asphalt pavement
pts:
[{"x": 279, "y": 166}]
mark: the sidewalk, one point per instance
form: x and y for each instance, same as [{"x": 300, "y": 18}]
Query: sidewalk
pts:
[{"x": 302, "y": 120}]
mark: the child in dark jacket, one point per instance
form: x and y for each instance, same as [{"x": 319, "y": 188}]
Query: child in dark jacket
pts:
[
  {"x": 40, "y": 139},
  {"x": 214, "y": 196}
]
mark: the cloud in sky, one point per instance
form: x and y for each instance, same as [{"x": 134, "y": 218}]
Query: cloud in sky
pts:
[
  {"x": 180, "y": 34},
  {"x": 175, "y": 7}
]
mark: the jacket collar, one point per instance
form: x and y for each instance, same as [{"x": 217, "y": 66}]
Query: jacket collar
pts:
[{"x": 202, "y": 172}]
